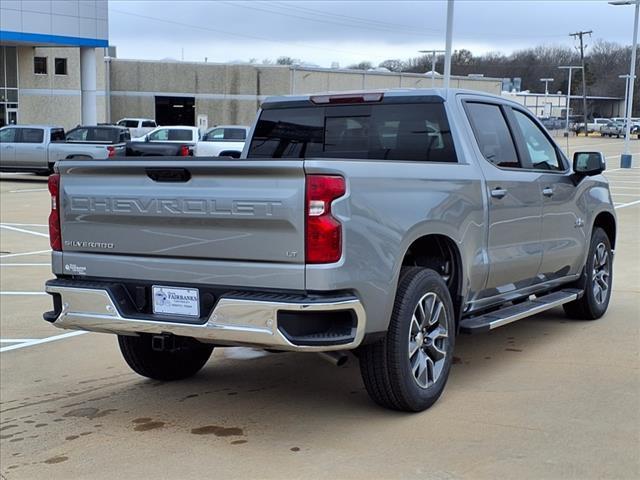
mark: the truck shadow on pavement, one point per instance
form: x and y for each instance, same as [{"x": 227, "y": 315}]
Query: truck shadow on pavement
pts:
[
  {"x": 34, "y": 179},
  {"x": 286, "y": 398}
]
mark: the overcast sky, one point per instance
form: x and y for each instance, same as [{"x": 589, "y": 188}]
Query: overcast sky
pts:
[{"x": 323, "y": 32}]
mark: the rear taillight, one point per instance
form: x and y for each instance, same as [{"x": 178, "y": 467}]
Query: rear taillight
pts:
[
  {"x": 184, "y": 151},
  {"x": 112, "y": 151},
  {"x": 323, "y": 231},
  {"x": 55, "y": 238}
]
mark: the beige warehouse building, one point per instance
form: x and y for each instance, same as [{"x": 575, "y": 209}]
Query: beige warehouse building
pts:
[
  {"x": 174, "y": 92},
  {"x": 207, "y": 93}
]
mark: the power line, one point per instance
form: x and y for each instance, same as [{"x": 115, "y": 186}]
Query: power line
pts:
[
  {"x": 413, "y": 28},
  {"x": 365, "y": 26},
  {"x": 233, "y": 34}
]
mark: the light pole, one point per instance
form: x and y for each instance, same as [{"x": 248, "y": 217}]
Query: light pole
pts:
[
  {"x": 546, "y": 90},
  {"x": 625, "y": 158},
  {"x": 449, "y": 40},
  {"x": 570, "y": 68},
  {"x": 433, "y": 63}
]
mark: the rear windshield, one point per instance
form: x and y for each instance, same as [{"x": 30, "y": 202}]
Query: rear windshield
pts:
[
  {"x": 417, "y": 132},
  {"x": 94, "y": 134},
  {"x": 129, "y": 123}
]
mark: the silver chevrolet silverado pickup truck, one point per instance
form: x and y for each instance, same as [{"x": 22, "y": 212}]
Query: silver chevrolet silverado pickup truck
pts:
[{"x": 381, "y": 223}]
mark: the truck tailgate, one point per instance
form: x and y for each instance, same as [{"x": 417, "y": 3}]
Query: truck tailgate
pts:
[{"x": 206, "y": 209}]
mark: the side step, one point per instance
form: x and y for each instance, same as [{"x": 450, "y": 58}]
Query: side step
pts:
[{"x": 502, "y": 316}]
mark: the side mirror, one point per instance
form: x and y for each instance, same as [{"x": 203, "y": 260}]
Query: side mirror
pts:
[
  {"x": 588, "y": 163},
  {"x": 146, "y": 138}
]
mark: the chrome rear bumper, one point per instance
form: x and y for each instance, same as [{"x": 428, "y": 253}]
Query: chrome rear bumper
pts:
[{"x": 233, "y": 321}]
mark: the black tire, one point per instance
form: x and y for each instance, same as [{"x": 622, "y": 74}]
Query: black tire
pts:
[
  {"x": 592, "y": 306},
  {"x": 386, "y": 365},
  {"x": 184, "y": 360}
]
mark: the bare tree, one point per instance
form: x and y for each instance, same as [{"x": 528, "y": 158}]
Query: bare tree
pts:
[
  {"x": 395, "y": 65},
  {"x": 361, "y": 66}
]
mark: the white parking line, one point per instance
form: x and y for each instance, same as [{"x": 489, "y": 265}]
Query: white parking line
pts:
[
  {"x": 23, "y": 293},
  {"x": 25, "y": 190},
  {"x": 17, "y": 340},
  {"x": 25, "y": 224},
  {"x": 21, "y": 230},
  {"x": 24, "y": 265},
  {"x": 624, "y": 205},
  {"x": 625, "y": 194},
  {"x": 41, "y": 341},
  {"x": 23, "y": 254}
]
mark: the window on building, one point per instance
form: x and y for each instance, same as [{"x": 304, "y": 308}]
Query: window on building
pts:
[
  {"x": 40, "y": 65},
  {"x": 61, "y": 66}
]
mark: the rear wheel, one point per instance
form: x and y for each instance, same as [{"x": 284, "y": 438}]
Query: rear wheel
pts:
[
  {"x": 596, "y": 280},
  {"x": 183, "y": 358},
  {"x": 408, "y": 369}
]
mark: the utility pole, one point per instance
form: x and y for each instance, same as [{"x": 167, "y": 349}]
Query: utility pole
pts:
[
  {"x": 434, "y": 54},
  {"x": 584, "y": 84}
]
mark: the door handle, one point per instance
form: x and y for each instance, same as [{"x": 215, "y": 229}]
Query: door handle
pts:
[
  {"x": 547, "y": 192},
  {"x": 498, "y": 192}
]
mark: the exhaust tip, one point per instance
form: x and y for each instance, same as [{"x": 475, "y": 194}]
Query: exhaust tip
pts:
[{"x": 335, "y": 358}]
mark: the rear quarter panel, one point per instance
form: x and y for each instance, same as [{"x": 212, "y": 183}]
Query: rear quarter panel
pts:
[{"x": 387, "y": 207}]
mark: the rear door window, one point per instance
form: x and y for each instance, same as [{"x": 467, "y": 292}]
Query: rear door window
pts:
[
  {"x": 409, "y": 132},
  {"x": 31, "y": 135},
  {"x": 180, "y": 135},
  {"x": 492, "y": 134},
  {"x": 148, "y": 124}
]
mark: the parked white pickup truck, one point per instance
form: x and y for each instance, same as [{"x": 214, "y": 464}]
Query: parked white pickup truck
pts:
[
  {"x": 222, "y": 141},
  {"x": 137, "y": 126},
  {"x": 36, "y": 148}
]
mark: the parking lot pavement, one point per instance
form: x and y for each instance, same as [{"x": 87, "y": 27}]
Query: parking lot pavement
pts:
[{"x": 541, "y": 398}]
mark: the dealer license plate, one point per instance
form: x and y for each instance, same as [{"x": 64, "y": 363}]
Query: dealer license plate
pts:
[{"x": 176, "y": 301}]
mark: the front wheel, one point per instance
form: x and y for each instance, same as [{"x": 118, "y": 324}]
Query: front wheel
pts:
[
  {"x": 596, "y": 280},
  {"x": 408, "y": 369},
  {"x": 182, "y": 359}
]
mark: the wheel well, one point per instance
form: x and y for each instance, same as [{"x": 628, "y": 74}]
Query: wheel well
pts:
[
  {"x": 441, "y": 254},
  {"x": 606, "y": 221}
]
